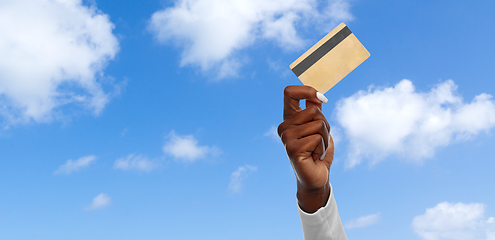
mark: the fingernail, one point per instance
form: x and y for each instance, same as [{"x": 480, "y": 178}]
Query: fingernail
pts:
[{"x": 321, "y": 97}]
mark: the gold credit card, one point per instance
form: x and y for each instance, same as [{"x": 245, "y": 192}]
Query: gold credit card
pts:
[{"x": 330, "y": 59}]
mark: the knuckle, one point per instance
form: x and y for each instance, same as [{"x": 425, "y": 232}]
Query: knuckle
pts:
[
  {"x": 281, "y": 128},
  {"x": 286, "y": 136},
  {"x": 288, "y": 90},
  {"x": 327, "y": 126},
  {"x": 291, "y": 149},
  {"x": 321, "y": 124},
  {"x": 317, "y": 138},
  {"x": 314, "y": 111}
]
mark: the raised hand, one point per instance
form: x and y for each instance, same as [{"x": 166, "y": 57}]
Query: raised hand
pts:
[{"x": 309, "y": 145}]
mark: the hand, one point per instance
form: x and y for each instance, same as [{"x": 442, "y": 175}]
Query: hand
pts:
[{"x": 309, "y": 145}]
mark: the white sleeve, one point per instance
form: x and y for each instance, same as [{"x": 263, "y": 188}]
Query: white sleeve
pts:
[{"x": 324, "y": 224}]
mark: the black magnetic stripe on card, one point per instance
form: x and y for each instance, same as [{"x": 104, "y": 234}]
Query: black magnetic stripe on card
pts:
[{"x": 321, "y": 51}]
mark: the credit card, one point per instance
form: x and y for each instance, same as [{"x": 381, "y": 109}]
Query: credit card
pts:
[{"x": 330, "y": 59}]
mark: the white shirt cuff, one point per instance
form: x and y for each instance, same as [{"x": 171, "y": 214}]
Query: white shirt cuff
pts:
[{"x": 324, "y": 223}]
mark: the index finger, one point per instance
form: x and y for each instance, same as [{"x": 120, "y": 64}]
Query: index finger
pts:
[{"x": 293, "y": 94}]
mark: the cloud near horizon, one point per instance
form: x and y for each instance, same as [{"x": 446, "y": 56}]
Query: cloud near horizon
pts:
[
  {"x": 459, "y": 221},
  {"x": 211, "y": 33},
  {"x": 52, "y": 52},
  {"x": 400, "y": 121}
]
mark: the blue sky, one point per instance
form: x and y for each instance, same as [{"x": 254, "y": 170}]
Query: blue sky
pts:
[{"x": 155, "y": 119}]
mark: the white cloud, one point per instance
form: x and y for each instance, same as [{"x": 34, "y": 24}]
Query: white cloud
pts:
[
  {"x": 399, "y": 120},
  {"x": 51, "y": 51},
  {"x": 363, "y": 221},
  {"x": 100, "y": 201},
  {"x": 272, "y": 133},
  {"x": 211, "y": 31},
  {"x": 135, "y": 162},
  {"x": 73, "y": 166},
  {"x": 458, "y": 221},
  {"x": 336, "y": 133},
  {"x": 185, "y": 148},
  {"x": 238, "y": 176}
]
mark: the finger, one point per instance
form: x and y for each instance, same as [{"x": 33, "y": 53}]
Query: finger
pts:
[
  {"x": 320, "y": 150},
  {"x": 307, "y": 149},
  {"x": 329, "y": 154},
  {"x": 308, "y": 115},
  {"x": 308, "y": 129},
  {"x": 292, "y": 96},
  {"x": 310, "y": 104},
  {"x": 302, "y": 117}
]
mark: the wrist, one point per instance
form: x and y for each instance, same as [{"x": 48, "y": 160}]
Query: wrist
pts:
[{"x": 310, "y": 200}]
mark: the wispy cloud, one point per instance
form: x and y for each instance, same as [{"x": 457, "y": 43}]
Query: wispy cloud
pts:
[
  {"x": 364, "y": 221},
  {"x": 100, "y": 201},
  {"x": 186, "y": 148},
  {"x": 398, "y": 120},
  {"x": 212, "y": 32},
  {"x": 272, "y": 133},
  {"x": 135, "y": 162},
  {"x": 454, "y": 221},
  {"x": 238, "y": 176},
  {"x": 123, "y": 132},
  {"x": 72, "y": 166},
  {"x": 65, "y": 45}
]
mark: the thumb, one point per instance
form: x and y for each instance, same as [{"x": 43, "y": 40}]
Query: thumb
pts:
[{"x": 293, "y": 94}]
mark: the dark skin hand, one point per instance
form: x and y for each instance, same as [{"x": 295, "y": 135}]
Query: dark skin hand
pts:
[{"x": 309, "y": 145}]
